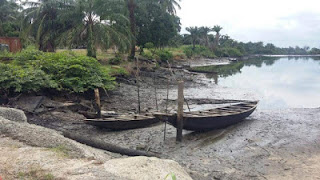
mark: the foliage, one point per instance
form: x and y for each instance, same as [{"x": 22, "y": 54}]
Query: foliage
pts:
[
  {"x": 155, "y": 24},
  {"x": 9, "y": 18},
  {"x": 149, "y": 45},
  {"x": 32, "y": 71},
  {"x": 228, "y": 52},
  {"x": 198, "y": 51},
  {"x": 116, "y": 60},
  {"x": 14, "y": 78},
  {"x": 164, "y": 55},
  {"x": 30, "y": 53},
  {"x": 148, "y": 54},
  {"x": 5, "y": 54},
  {"x": 172, "y": 175},
  {"x": 117, "y": 71}
]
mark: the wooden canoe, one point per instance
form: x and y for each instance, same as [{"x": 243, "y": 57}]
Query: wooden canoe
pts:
[
  {"x": 212, "y": 119},
  {"x": 124, "y": 122}
]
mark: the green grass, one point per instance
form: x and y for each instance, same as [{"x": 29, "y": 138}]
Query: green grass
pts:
[
  {"x": 61, "y": 150},
  {"x": 35, "y": 174},
  {"x": 101, "y": 55}
]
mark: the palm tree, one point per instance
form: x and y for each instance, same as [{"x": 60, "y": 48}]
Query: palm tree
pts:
[
  {"x": 97, "y": 25},
  {"x": 216, "y": 29},
  {"x": 194, "y": 33},
  {"x": 204, "y": 31},
  {"x": 170, "y": 5},
  {"x": 42, "y": 21},
  {"x": 131, "y": 7}
]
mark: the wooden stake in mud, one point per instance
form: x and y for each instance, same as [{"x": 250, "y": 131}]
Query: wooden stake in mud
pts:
[
  {"x": 180, "y": 111},
  {"x": 155, "y": 91},
  {"x": 165, "y": 123},
  {"x": 138, "y": 85},
  {"x": 98, "y": 102},
  {"x": 139, "y": 107}
]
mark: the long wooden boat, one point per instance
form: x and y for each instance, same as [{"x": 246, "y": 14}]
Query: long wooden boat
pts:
[
  {"x": 124, "y": 122},
  {"x": 212, "y": 119}
]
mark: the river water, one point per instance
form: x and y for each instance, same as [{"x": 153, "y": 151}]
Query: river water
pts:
[{"x": 278, "y": 82}]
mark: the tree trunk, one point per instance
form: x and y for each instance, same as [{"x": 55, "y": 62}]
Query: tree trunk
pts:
[
  {"x": 216, "y": 44},
  {"x": 207, "y": 41},
  {"x": 91, "y": 43},
  {"x": 131, "y": 8},
  {"x": 107, "y": 146}
]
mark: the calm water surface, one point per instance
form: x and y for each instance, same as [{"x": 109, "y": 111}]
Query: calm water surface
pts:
[{"x": 278, "y": 82}]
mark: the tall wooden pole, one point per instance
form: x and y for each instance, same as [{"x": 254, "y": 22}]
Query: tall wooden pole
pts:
[
  {"x": 138, "y": 84},
  {"x": 180, "y": 111},
  {"x": 98, "y": 102}
]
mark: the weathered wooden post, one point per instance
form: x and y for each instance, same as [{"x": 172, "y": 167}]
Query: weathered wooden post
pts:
[
  {"x": 180, "y": 111},
  {"x": 98, "y": 102}
]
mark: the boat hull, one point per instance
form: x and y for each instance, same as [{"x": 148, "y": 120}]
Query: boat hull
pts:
[
  {"x": 121, "y": 124},
  {"x": 206, "y": 123}
]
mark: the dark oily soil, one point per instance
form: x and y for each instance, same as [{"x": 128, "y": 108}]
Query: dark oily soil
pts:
[{"x": 270, "y": 144}]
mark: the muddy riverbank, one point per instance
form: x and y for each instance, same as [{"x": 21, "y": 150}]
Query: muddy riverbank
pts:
[{"x": 270, "y": 144}]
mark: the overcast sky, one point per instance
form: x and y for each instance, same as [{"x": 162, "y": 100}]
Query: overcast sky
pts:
[{"x": 281, "y": 22}]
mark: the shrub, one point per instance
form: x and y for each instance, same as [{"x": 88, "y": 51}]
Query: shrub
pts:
[
  {"x": 76, "y": 73},
  {"x": 32, "y": 70},
  {"x": 188, "y": 52},
  {"x": 148, "y": 55},
  {"x": 229, "y": 52},
  {"x": 15, "y": 78},
  {"x": 164, "y": 55},
  {"x": 149, "y": 45},
  {"x": 200, "y": 51},
  {"x": 116, "y": 60},
  {"x": 30, "y": 53}
]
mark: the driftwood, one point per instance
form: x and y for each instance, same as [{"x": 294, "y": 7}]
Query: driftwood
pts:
[{"x": 107, "y": 146}]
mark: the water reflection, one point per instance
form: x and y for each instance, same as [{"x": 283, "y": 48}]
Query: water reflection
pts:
[{"x": 280, "y": 82}]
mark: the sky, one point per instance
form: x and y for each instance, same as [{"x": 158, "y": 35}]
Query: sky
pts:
[{"x": 281, "y": 22}]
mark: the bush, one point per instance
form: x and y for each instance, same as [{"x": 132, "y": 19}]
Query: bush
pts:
[
  {"x": 30, "y": 53},
  {"x": 32, "y": 70},
  {"x": 229, "y": 52},
  {"x": 188, "y": 52},
  {"x": 15, "y": 78},
  {"x": 200, "y": 51},
  {"x": 116, "y": 60},
  {"x": 148, "y": 55},
  {"x": 164, "y": 55},
  {"x": 149, "y": 45},
  {"x": 76, "y": 73}
]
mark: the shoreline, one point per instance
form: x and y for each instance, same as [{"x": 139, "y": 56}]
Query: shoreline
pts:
[{"x": 257, "y": 148}]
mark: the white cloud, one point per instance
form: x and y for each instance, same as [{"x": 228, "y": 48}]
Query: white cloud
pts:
[{"x": 282, "y": 22}]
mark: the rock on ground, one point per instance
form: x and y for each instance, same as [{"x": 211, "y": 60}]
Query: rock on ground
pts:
[
  {"x": 20, "y": 161},
  {"x": 56, "y": 157},
  {"x": 42, "y": 137},
  {"x": 13, "y": 114},
  {"x": 144, "y": 168}
]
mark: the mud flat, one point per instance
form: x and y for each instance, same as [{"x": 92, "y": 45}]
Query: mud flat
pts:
[{"x": 270, "y": 144}]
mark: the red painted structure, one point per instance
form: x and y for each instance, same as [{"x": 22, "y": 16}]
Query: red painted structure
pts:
[{"x": 14, "y": 43}]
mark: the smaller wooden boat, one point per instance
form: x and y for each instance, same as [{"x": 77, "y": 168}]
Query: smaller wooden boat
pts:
[
  {"x": 124, "y": 122},
  {"x": 212, "y": 119},
  {"x": 93, "y": 115}
]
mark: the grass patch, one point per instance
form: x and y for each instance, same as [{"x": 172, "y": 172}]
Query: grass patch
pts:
[
  {"x": 61, "y": 150},
  {"x": 35, "y": 174},
  {"x": 101, "y": 55}
]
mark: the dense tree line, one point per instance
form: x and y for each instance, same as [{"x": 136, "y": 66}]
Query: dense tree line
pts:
[
  {"x": 119, "y": 24},
  {"x": 223, "y": 45}
]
